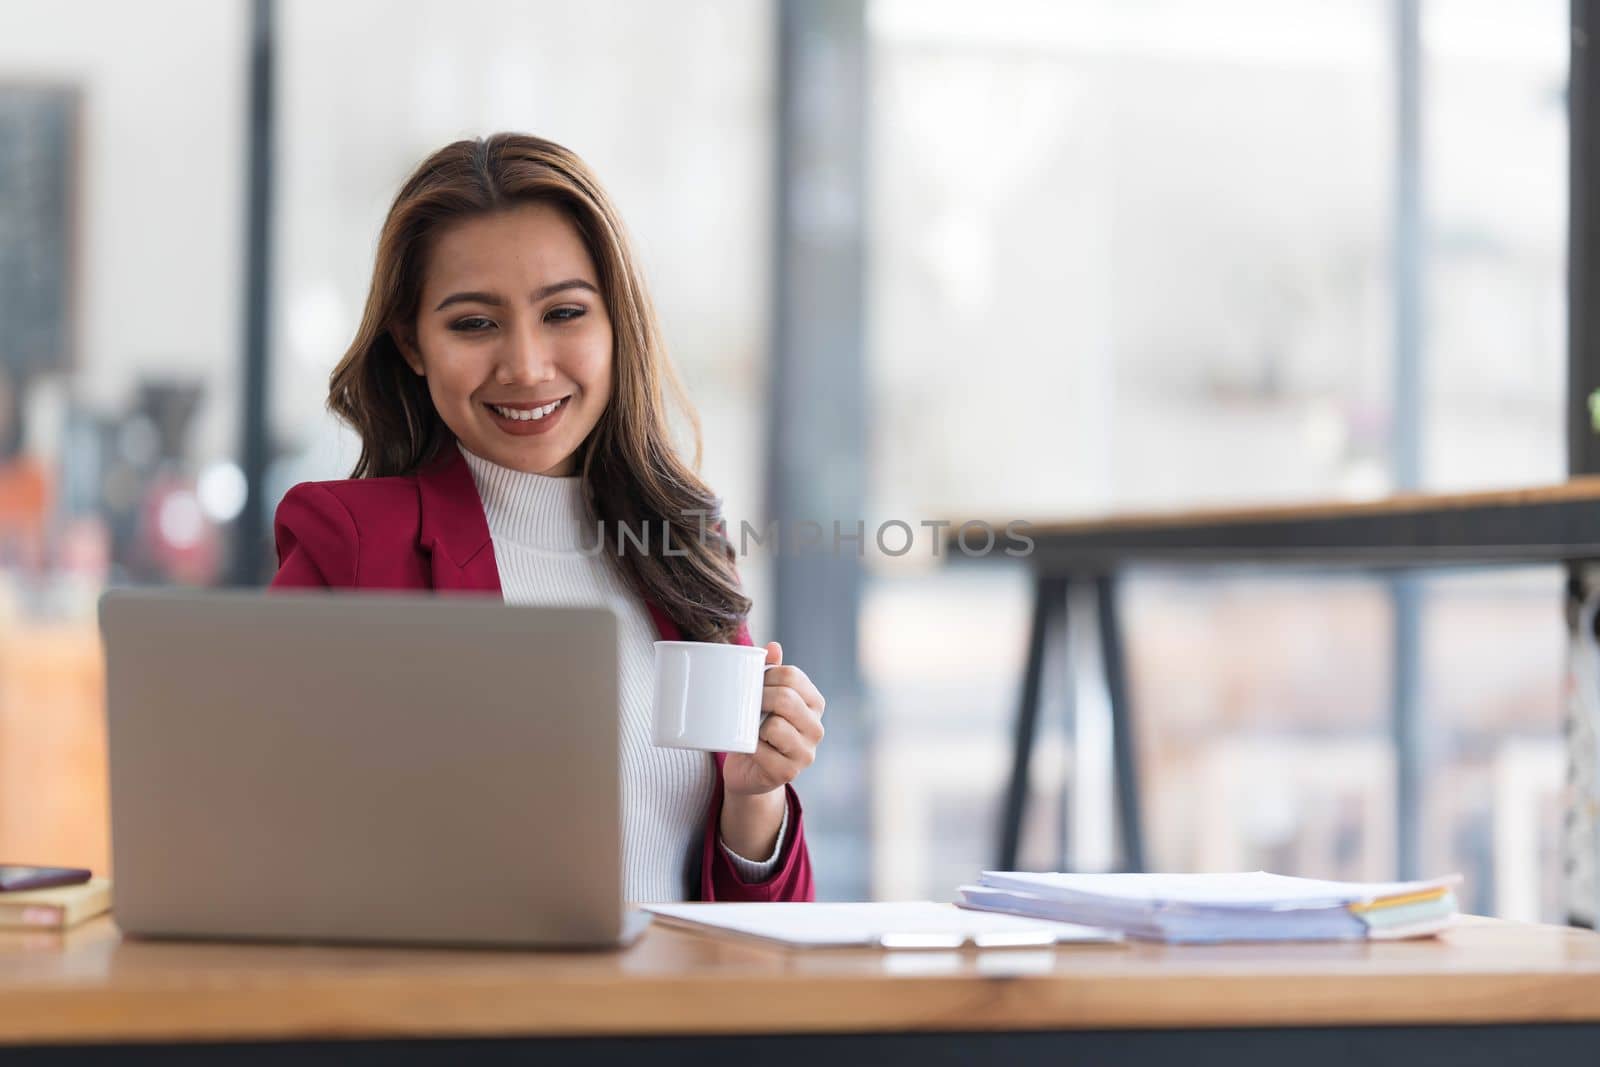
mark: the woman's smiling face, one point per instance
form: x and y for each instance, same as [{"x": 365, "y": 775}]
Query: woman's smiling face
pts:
[{"x": 511, "y": 321}]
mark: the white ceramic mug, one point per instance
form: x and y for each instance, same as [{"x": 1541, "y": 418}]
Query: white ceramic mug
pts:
[{"x": 708, "y": 696}]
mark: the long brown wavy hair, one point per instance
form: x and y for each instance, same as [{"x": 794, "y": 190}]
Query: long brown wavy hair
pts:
[{"x": 632, "y": 474}]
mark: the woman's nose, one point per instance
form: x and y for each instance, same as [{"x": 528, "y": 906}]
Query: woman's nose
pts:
[{"x": 524, "y": 360}]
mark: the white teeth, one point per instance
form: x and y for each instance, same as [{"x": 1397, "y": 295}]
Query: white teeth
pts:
[{"x": 519, "y": 415}]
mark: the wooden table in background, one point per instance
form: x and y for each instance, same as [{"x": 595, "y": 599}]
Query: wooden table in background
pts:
[
  {"x": 1488, "y": 992},
  {"x": 1546, "y": 524}
]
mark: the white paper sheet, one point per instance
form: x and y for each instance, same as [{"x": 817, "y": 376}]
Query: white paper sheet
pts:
[{"x": 914, "y": 924}]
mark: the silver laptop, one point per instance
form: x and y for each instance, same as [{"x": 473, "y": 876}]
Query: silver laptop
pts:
[{"x": 364, "y": 767}]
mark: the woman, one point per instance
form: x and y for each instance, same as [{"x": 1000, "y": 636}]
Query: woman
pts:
[{"x": 507, "y": 382}]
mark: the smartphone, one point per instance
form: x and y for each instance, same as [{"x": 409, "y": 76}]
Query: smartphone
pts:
[{"x": 14, "y": 877}]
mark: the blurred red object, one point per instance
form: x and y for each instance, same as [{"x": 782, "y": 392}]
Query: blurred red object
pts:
[{"x": 176, "y": 538}]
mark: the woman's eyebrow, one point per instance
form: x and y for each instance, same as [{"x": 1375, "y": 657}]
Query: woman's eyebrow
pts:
[
  {"x": 495, "y": 301},
  {"x": 556, "y": 287},
  {"x": 469, "y": 298}
]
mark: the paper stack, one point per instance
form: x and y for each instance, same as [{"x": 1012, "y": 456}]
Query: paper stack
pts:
[{"x": 1223, "y": 907}]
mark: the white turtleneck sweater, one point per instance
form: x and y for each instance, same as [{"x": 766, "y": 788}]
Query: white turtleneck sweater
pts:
[{"x": 539, "y": 528}]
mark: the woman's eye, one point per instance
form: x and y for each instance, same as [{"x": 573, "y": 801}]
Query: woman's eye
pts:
[
  {"x": 471, "y": 324},
  {"x": 564, "y": 314}
]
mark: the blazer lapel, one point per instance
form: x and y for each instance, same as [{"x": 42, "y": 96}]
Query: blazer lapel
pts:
[
  {"x": 453, "y": 530},
  {"x": 455, "y": 534}
]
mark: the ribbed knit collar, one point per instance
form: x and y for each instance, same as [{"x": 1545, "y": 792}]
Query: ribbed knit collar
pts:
[{"x": 532, "y": 509}]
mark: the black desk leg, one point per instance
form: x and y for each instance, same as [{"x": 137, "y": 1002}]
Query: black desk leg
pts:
[
  {"x": 1049, "y": 612},
  {"x": 1122, "y": 740}
]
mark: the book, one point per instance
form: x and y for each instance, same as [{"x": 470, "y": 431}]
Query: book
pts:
[
  {"x": 57, "y": 908},
  {"x": 1254, "y": 906}
]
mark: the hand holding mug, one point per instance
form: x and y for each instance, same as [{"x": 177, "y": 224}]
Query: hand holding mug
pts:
[
  {"x": 723, "y": 698},
  {"x": 791, "y": 729}
]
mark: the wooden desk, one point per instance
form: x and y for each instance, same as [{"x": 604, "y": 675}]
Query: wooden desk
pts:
[
  {"x": 1547, "y": 524},
  {"x": 1543, "y": 524},
  {"x": 1487, "y": 992}
]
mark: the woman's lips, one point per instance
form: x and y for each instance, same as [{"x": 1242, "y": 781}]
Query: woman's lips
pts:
[{"x": 526, "y": 427}]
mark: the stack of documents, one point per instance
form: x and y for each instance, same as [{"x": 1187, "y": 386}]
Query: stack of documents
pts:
[{"x": 1222, "y": 907}]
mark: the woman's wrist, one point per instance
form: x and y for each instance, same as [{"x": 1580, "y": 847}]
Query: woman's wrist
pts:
[{"x": 749, "y": 824}]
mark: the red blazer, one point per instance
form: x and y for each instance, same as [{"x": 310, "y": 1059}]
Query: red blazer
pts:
[{"x": 428, "y": 531}]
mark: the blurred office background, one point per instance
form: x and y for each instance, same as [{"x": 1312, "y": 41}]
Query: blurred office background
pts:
[{"x": 917, "y": 260}]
